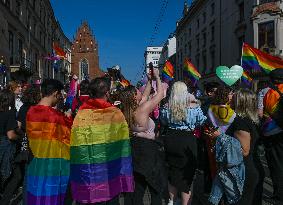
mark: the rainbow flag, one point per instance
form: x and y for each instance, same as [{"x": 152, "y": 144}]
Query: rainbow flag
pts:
[
  {"x": 59, "y": 51},
  {"x": 191, "y": 72},
  {"x": 168, "y": 72},
  {"x": 72, "y": 92},
  {"x": 48, "y": 173},
  {"x": 270, "y": 102},
  {"x": 254, "y": 59},
  {"x": 246, "y": 79},
  {"x": 125, "y": 83},
  {"x": 101, "y": 162}
]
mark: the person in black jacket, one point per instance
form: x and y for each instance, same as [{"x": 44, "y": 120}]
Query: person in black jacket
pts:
[{"x": 10, "y": 173}]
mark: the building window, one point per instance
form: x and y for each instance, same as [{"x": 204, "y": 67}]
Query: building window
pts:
[
  {"x": 36, "y": 61},
  {"x": 8, "y": 3},
  {"x": 197, "y": 61},
  {"x": 190, "y": 32},
  {"x": 204, "y": 17},
  {"x": 212, "y": 57},
  {"x": 18, "y": 9},
  {"x": 28, "y": 20},
  {"x": 212, "y": 9},
  {"x": 204, "y": 62},
  {"x": 190, "y": 49},
  {"x": 204, "y": 38},
  {"x": 212, "y": 33},
  {"x": 241, "y": 12},
  {"x": 11, "y": 47},
  {"x": 20, "y": 48},
  {"x": 198, "y": 23},
  {"x": 84, "y": 69},
  {"x": 44, "y": 42},
  {"x": 40, "y": 37},
  {"x": 266, "y": 36},
  {"x": 197, "y": 41},
  {"x": 34, "y": 28}
]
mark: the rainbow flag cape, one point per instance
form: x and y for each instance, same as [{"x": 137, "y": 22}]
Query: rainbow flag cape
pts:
[
  {"x": 101, "y": 162},
  {"x": 254, "y": 59},
  {"x": 246, "y": 79},
  {"x": 48, "y": 173},
  {"x": 270, "y": 101},
  {"x": 168, "y": 72},
  {"x": 191, "y": 72}
]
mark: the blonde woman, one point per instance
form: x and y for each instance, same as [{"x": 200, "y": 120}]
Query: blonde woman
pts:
[{"x": 183, "y": 115}]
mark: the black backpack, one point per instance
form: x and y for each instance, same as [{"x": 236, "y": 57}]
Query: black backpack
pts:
[{"x": 277, "y": 115}]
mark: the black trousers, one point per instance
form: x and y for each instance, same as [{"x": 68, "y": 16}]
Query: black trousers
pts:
[
  {"x": 274, "y": 156},
  {"x": 136, "y": 198},
  {"x": 257, "y": 200},
  {"x": 12, "y": 185}
]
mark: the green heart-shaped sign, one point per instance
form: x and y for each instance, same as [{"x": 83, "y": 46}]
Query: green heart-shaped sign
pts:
[{"x": 229, "y": 75}]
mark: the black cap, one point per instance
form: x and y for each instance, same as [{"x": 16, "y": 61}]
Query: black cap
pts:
[{"x": 276, "y": 75}]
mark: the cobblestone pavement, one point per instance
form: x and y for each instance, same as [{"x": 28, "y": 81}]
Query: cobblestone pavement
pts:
[{"x": 198, "y": 198}]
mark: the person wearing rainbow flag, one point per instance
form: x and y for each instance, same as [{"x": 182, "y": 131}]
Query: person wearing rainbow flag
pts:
[
  {"x": 48, "y": 132},
  {"x": 272, "y": 131},
  {"x": 101, "y": 160}
]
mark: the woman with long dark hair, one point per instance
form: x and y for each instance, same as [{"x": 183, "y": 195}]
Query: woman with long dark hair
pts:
[{"x": 147, "y": 160}]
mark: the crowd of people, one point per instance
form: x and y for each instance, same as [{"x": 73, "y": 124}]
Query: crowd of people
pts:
[{"x": 122, "y": 142}]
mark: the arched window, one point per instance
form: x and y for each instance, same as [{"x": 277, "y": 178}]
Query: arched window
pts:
[{"x": 84, "y": 69}]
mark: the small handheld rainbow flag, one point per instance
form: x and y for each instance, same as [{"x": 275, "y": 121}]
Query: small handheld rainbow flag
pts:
[
  {"x": 191, "y": 72},
  {"x": 168, "y": 72},
  {"x": 254, "y": 59},
  {"x": 246, "y": 79},
  {"x": 59, "y": 51},
  {"x": 125, "y": 82}
]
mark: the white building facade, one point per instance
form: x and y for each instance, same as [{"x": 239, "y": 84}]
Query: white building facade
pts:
[
  {"x": 267, "y": 19},
  {"x": 168, "y": 50}
]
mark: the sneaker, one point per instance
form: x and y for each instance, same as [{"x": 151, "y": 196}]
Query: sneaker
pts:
[{"x": 171, "y": 202}]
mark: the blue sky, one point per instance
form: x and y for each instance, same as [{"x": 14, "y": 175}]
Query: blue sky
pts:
[{"x": 122, "y": 27}]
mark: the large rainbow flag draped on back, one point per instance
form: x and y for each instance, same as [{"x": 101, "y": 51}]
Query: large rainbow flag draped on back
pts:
[
  {"x": 101, "y": 162},
  {"x": 270, "y": 102},
  {"x": 254, "y": 59},
  {"x": 168, "y": 72},
  {"x": 49, "y": 133},
  {"x": 191, "y": 72}
]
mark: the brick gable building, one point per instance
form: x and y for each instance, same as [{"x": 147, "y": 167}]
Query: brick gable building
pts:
[{"x": 85, "y": 59}]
